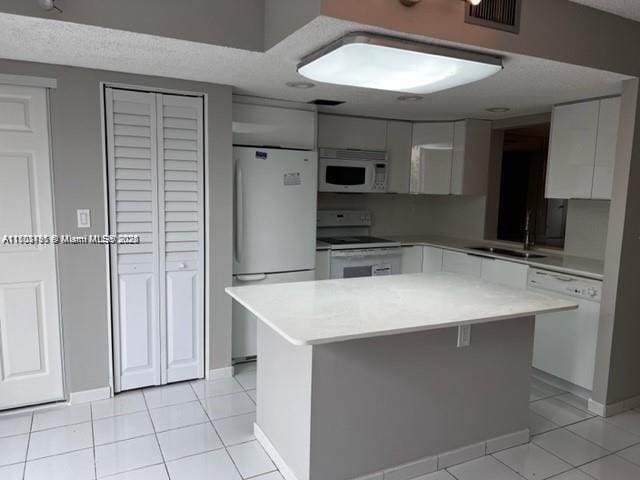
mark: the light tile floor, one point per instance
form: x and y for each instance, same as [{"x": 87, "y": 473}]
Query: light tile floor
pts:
[{"x": 204, "y": 430}]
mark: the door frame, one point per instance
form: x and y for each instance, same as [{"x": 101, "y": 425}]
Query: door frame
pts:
[
  {"x": 48, "y": 85},
  {"x": 207, "y": 228}
]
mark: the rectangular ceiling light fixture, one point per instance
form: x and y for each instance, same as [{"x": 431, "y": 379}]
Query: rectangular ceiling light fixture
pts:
[{"x": 384, "y": 63}]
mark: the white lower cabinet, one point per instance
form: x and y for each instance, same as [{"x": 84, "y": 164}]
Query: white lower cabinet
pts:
[
  {"x": 462, "y": 263},
  {"x": 432, "y": 259},
  {"x": 323, "y": 264},
  {"x": 411, "y": 259},
  {"x": 506, "y": 273}
]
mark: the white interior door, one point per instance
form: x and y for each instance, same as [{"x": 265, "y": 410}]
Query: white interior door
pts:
[
  {"x": 156, "y": 188},
  {"x": 133, "y": 201},
  {"x": 30, "y": 345},
  {"x": 181, "y": 213}
]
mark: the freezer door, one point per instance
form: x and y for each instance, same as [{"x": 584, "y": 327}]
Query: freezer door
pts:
[
  {"x": 244, "y": 325},
  {"x": 275, "y": 210}
]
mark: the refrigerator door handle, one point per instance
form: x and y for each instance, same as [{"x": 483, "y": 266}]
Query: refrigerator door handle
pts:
[
  {"x": 256, "y": 277},
  {"x": 239, "y": 237}
]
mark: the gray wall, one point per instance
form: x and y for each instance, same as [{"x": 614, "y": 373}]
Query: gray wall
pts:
[
  {"x": 444, "y": 215},
  {"x": 78, "y": 183},
  {"x": 232, "y": 23},
  {"x": 283, "y": 17},
  {"x": 430, "y": 396},
  {"x": 587, "y": 224}
]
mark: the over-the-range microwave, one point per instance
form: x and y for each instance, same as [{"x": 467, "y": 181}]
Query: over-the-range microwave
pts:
[{"x": 352, "y": 171}]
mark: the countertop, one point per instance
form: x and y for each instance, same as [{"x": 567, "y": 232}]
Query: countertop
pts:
[
  {"x": 327, "y": 311},
  {"x": 554, "y": 261}
]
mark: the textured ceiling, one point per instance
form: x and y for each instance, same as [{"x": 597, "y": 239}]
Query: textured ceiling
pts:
[
  {"x": 526, "y": 85},
  {"x": 624, "y": 8}
]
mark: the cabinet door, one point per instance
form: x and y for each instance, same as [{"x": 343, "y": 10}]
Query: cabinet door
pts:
[
  {"x": 431, "y": 259},
  {"x": 608, "y": 123},
  {"x": 335, "y": 131},
  {"x": 431, "y": 158},
  {"x": 323, "y": 264},
  {"x": 462, "y": 263},
  {"x": 509, "y": 274},
  {"x": 399, "y": 156},
  {"x": 471, "y": 150},
  {"x": 572, "y": 150},
  {"x": 411, "y": 260},
  {"x": 263, "y": 126}
]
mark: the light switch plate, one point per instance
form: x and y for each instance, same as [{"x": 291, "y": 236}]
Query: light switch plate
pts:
[
  {"x": 464, "y": 335},
  {"x": 84, "y": 218}
]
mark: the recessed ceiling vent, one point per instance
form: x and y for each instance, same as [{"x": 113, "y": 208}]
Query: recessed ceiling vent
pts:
[
  {"x": 326, "y": 103},
  {"x": 498, "y": 14}
]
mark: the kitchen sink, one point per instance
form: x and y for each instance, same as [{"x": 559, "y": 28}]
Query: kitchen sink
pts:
[{"x": 507, "y": 253}]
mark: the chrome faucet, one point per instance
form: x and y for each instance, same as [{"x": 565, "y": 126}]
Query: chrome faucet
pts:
[{"x": 527, "y": 244}]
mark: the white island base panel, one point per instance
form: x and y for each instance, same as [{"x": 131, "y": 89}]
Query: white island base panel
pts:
[{"x": 405, "y": 404}]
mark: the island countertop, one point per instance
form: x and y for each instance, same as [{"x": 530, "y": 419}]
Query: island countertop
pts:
[{"x": 326, "y": 311}]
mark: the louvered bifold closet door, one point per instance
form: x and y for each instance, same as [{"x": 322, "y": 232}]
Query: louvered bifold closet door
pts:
[
  {"x": 181, "y": 202},
  {"x": 131, "y": 121}
]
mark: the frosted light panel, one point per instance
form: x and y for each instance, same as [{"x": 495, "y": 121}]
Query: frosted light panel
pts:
[{"x": 387, "y": 68}]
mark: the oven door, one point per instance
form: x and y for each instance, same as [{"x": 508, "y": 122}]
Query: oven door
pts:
[
  {"x": 346, "y": 175},
  {"x": 365, "y": 263}
]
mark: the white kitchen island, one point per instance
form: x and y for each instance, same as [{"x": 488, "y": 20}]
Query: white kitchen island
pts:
[{"x": 362, "y": 376}]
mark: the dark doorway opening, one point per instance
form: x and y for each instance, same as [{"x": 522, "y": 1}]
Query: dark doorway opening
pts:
[{"x": 522, "y": 185}]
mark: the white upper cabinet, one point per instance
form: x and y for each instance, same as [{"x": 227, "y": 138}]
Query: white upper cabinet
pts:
[
  {"x": 336, "y": 131},
  {"x": 471, "y": 150},
  {"x": 399, "y": 155},
  {"x": 450, "y": 157},
  {"x": 265, "y": 126},
  {"x": 432, "y": 158},
  {"x": 582, "y": 149},
  {"x": 608, "y": 122}
]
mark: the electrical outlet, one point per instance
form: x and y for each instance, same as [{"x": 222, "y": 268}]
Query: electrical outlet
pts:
[{"x": 464, "y": 336}]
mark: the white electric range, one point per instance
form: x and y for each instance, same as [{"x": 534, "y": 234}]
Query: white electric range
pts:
[{"x": 354, "y": 253}]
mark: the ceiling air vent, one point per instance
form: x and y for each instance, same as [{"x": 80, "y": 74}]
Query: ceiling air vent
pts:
[{"x": 498, "y": 14}]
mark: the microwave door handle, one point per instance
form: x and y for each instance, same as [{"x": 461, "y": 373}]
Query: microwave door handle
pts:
[{"x": 372, "y": 176}]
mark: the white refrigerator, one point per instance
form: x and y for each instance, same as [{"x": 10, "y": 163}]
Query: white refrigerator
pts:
[{"x": 275, "y": 226}]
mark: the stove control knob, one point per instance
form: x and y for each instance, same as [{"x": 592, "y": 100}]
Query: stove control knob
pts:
[{"x": 591, "y": 292}]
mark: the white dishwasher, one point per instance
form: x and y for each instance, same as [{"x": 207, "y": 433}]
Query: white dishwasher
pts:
[{"x": 565, "y": 342}]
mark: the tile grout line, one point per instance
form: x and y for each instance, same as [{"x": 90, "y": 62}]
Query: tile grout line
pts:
[
  {"x": 509, "y": 467},
  {"x": 155, "y": 435},
  {"x": 242, "y": 443},
  {"x": 26, "y": 453},
  {"x": 218, "y": 434},
  {"x": 93, "y": 442}
]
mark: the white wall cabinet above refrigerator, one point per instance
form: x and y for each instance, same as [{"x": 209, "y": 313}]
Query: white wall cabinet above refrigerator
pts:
[
  {"x": 450, "y": 158},
  {"x": 582, "y": 149},
  {"x": 266, "y": 126},
  {"x": 355, "y": 133}
]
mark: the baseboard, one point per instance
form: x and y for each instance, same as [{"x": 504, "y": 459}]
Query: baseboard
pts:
[
  {"x": 218, "y": 373},
  {"x": 85, "y": 396},
  {"x": 431, "y": 464},
  {"x": 613, "y": 408},
  {"x": 285, "y": 471}
]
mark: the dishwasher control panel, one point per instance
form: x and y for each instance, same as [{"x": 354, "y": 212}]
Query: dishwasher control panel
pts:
[{"x": 565, "y": 284}]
